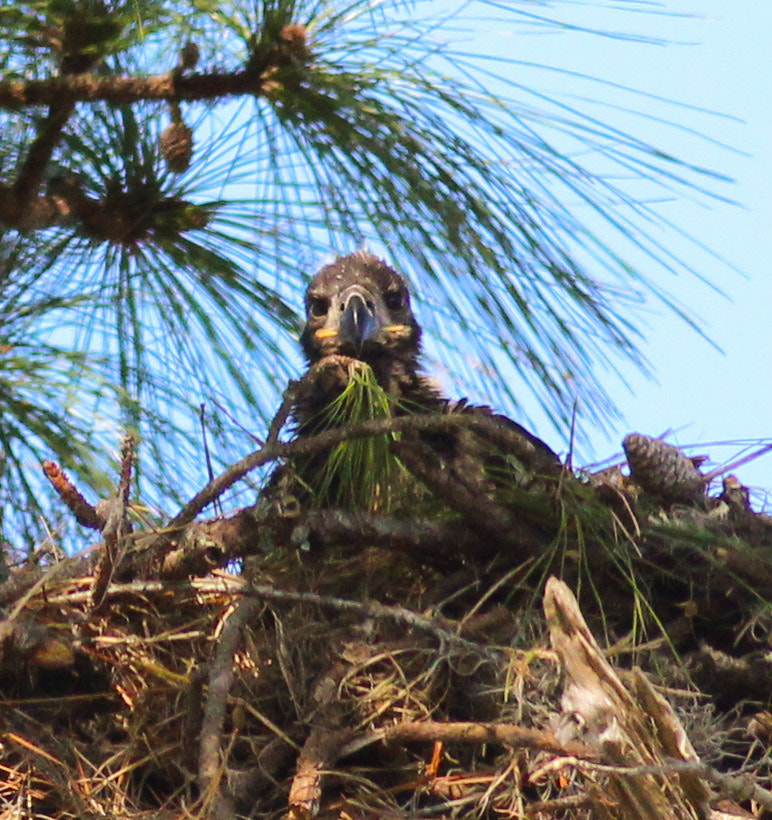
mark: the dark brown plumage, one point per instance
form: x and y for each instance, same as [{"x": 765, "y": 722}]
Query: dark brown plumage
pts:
[{"x": 358, "y": 307}]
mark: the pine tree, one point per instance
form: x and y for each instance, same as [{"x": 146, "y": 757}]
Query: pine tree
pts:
[{"x": 171, "y": 172}]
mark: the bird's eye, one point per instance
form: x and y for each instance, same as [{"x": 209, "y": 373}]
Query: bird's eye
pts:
[
  {"x": 394, "y": 299},
  {"x": 318, "y": 306}
]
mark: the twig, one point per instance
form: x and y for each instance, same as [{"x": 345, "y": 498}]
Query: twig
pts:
[
  {"x": 370, "y": 609},
  {"x": 116, "y": 527},
  {"x": 85, "y": 514},
  {"x": 733, "y": 465},
  {"x": 434, "y": 422},
  {"x": 738, "y": 788},
  {"x": 282, "y": 414},
  {"x": 562, "y": 805},
  {"x": 476, "y": 734},
  {"x": 210, "y": 767}
]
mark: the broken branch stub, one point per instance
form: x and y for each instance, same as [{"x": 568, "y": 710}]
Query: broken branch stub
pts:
[{"x": 628, "y": 729}]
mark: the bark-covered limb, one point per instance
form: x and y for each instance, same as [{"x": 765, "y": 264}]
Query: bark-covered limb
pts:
[
  {"x": 476, "y": 734},
  {"x": 202, "y": 546},
  {"x": 433, "y": 542},
  {"x": 25, "y": 188},
  {"x": 170, "y": 86},
  {"x": 210, "y": 766}
]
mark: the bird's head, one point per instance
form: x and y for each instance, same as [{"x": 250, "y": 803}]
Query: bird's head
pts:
[{"x": 358, "y": 306}]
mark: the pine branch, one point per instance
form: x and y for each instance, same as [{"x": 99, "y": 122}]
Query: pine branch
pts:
[
  {"x": 100, "y": 219},
  {"x": 289, "y": 51},
  {"x": 169, "y": 87},
  {"x": 24, "y": 189}
]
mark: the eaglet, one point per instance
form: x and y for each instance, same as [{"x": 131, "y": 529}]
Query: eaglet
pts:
[{"x": 358, "y": 318}]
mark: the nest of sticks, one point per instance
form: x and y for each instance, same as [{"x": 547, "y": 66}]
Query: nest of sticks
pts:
[{"x": 606, "y": 657}]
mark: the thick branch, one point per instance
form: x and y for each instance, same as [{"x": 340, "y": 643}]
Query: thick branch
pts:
[
  {"x": 25, "y": 188},
  {"x": 170, "y": 86}
]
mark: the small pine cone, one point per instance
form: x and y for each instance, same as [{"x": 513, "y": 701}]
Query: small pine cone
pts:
[
  {"x": 663, "y": 470},
  {"x": 177, "y": 147},
  {"x": 189, "y": 55}
]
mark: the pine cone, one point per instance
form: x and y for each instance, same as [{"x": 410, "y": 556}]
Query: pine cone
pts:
[
  {"x": 177, "y": 147},
  {"x": 663, "y": 470}
]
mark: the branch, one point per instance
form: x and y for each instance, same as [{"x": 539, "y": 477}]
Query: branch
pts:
[
  {"x": 170, "y": 86},
  {"x": 24, "y": 190},
  {"x": 505, "y": 734},
  {"x": 440, "y": 543},
  {"x": 210, "y": 767},
  {"x": 433, "y": 422},
  {"x": 370, "y": 609}
]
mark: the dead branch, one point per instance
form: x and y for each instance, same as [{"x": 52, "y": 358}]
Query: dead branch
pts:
[
  {"x": 625, "y": 730},
  {"x": 371, "y": 609},
  {"x": 738, "y": 788},
  {"x": 210, "y": 766},
  {"x": 85, "y": 514},
  {"x": 116, "y": 528},
  {"x": 438, "y": 543},
  {"x": 561, "y": 805},
  {"x": 476, "y": 734},
  {"x": 320, "y": 751}
]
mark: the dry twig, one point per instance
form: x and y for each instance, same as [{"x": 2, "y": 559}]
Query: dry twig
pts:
[{"x": 210, "y": 766}]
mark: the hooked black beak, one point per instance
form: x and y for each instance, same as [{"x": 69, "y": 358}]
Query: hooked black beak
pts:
[{"x": 359, "y": 321}]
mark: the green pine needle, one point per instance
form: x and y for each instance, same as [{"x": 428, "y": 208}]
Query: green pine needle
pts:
[{"x": 362, "y": 473}]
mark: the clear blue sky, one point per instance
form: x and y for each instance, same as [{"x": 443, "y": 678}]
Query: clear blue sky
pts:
[{"x": 717, "y": 60}]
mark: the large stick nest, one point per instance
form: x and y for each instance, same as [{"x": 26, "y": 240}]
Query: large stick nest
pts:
[{"x": 316, "y": 661}]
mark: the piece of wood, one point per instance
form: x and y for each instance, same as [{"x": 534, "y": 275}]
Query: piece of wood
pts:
[{"x": 628, "y": 728}]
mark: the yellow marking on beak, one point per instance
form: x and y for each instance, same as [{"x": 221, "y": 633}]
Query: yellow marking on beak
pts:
[
  {"x": 395, "y": 328},
  {"x": 325, "y": 333}
]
